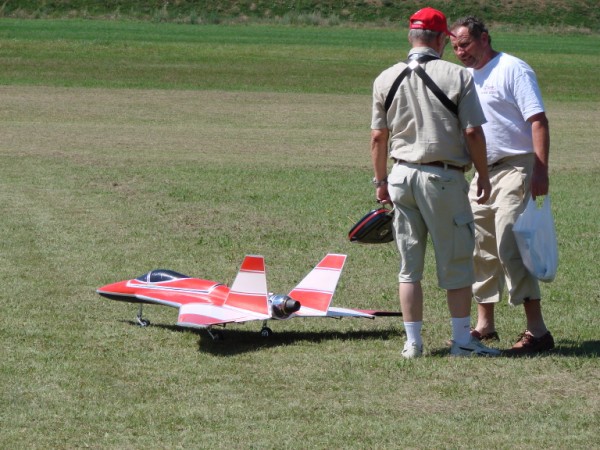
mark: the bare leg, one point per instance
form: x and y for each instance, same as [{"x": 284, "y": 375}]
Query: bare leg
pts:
[
  {"x": 411, "y": 301},
  {"x": 535, "y": 320},
  {"x": 485, "y": 318},
  {"x": 459, "y": 302}
]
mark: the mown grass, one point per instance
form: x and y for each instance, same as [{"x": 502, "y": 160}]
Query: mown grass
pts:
[
  {"x": 317, "y": 60},
  {"x": 101, "y": 184}
]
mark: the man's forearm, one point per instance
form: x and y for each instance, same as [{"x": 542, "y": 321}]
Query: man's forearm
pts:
[
  {"x": 540, "y": 133},
  {"x": 475, "y": 140},
  {"x": 379, "y": 153}
]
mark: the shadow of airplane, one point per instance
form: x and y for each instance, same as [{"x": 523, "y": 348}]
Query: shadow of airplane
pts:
[{"x": 238, "y": 341}]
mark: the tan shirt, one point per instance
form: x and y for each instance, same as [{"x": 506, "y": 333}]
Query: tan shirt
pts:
[{"x": 421, "y": 128}]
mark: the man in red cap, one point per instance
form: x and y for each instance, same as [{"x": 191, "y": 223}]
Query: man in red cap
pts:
[{"x": 424, "y": 111}]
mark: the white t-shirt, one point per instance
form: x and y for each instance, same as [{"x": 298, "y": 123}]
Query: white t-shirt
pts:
[{"x": 509, "y": 95}]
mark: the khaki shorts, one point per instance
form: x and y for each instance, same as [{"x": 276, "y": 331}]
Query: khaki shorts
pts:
[
  {"x": 497, "y": 258},
  {"x": 433, "y": 200}
]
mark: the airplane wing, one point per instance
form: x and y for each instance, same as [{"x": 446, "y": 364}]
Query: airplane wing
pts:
[
  {"x": 316, "y": 290},
  {"x": 247, "y": 300},
  {"x": 200, "y": 315}
]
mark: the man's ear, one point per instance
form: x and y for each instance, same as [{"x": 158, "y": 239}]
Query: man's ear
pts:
[
  {"x": 441, "y": 43},
  {"x": 485, "y": 37}
]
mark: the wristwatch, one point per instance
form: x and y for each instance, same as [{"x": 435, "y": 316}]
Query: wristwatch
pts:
[{"x": 379, "y": 183}]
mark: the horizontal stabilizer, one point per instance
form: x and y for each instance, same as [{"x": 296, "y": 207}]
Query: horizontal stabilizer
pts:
[
  {"x": 380, "y": 313},
  {"x": 348, "y": 312}
]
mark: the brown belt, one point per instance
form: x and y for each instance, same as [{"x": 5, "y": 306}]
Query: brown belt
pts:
[
  {"x": 497, "y": 163},
  {"x": 432, "y": 163}
]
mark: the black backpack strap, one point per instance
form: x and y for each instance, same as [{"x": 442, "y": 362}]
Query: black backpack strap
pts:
[
  {"x": 414, "y": 66},
  {"x": 392, "y": 93},
  {"x": 436, "y": 90}
]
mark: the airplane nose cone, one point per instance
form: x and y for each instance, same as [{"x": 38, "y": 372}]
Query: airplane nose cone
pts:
[{"x": 114, "y": 290}]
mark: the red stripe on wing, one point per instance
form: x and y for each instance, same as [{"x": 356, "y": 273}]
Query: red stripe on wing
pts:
[{"x": 332, "y": 261}]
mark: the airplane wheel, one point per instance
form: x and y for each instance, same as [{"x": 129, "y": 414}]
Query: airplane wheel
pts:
[
  {"x": 266, "y": 332},
  {"x": 143, "y": 322}
]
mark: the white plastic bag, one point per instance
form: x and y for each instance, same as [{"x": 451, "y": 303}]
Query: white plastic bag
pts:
[{"x": 536, "y": 239}]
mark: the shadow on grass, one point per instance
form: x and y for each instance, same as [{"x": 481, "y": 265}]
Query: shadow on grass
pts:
[
  {"x": 237, "y": 341},
  {"x": 585, "y": 349},
  {"x": 240, "y": 341}
]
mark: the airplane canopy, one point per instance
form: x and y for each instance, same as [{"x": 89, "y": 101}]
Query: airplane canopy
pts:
[{"x": 160, "y": 275}]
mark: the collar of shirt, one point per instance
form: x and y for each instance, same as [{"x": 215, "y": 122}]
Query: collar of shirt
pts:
[{"x": 423, "y": 51}]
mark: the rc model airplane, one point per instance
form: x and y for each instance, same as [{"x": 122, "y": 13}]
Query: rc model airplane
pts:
[{"x": 205, "y": 304}]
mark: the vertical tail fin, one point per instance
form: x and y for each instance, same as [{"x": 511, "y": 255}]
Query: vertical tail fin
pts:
[
  {"x": 249, "y": 289},
  {"x": 316, "y": 290}
]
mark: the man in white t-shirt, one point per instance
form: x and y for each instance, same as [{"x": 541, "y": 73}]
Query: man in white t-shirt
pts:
[{"x": 518, "y": 142}]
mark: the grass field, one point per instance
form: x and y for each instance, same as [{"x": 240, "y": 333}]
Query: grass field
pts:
[{"x": 127, "y": 147}]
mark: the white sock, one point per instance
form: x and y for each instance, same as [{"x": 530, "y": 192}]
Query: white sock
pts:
[
  {"x": 461, "y": 330},
  {"x": 413, "y": 332}
]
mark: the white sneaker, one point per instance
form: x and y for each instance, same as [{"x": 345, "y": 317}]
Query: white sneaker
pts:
[
  {"x": 473, "y": 348},
  {"x": 412, "y": 350}
]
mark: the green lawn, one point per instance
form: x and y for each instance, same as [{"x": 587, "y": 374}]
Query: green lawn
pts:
[{"x": 128, "y": 146}]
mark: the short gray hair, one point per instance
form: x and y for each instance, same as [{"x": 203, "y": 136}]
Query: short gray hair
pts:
[{"x": 425, "y": 36}]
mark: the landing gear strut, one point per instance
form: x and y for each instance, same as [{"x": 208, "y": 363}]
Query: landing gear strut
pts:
[
  {"x": 216, "y": 335},
  {"x": 139, "y": 319}
]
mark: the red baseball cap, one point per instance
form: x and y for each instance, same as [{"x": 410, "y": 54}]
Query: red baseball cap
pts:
[{"x": 429, "y": 19}]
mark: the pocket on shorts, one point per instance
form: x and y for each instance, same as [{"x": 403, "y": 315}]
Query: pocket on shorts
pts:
[
  {"x": 398, "y": 185},
  {"x": 398, "y": 174},
  {"x": 464, "y": 235}
]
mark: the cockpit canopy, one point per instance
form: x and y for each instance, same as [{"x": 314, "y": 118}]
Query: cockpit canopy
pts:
[{"x": 160, "y": 275}]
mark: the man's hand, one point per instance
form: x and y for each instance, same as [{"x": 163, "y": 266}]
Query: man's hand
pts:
[
  {"x": 383, "y": 195},
  {"x": 484, "y": 189},
  {"x": 540, "y": 182}
]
